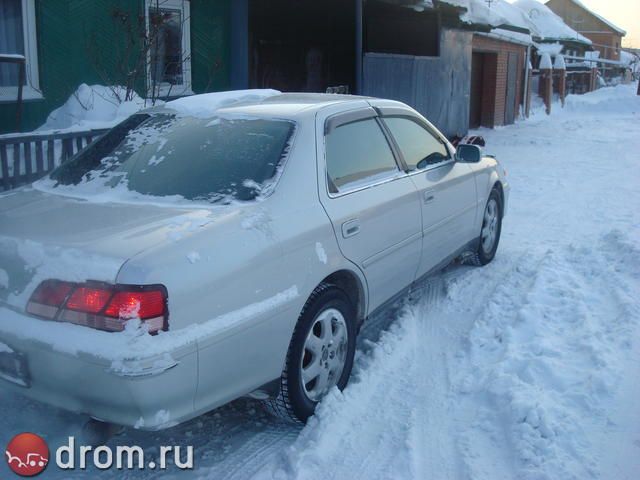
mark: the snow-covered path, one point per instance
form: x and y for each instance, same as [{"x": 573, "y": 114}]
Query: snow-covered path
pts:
[{"x": 527, "y": 368}]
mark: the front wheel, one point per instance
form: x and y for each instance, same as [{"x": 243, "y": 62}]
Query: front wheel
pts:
[
  {"x": 320, "y": 354},
  {"x": 490, "y": 232}
]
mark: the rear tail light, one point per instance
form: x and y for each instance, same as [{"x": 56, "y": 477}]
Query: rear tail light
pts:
[
  {"x": 89, "y": 300},
  {"x": 101, "y": 306},
  {"x": 49, "y": 297}
]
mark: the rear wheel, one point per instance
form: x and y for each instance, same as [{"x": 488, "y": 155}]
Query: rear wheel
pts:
[
  {"x": 320, "y": 354},
  {"x": 490, "y": 232}
]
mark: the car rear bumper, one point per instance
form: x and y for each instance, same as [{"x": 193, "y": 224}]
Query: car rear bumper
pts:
[{"x": 150, "y": 392}]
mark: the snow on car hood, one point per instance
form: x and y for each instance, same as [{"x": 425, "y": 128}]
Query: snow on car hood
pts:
[{"x": 44, "y": 236}]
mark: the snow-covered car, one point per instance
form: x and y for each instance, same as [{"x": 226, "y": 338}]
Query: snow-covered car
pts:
[{"x": 193, "y": 255}]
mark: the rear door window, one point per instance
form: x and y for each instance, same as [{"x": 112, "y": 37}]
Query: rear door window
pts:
[
  {"x": 420, "y": 148},
  {"x": 358, "y": 154}
]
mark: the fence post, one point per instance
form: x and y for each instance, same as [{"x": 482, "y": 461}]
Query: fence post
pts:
[
  {"x": 561, "y": 68},
  {"x": 527, "y": 101},
  {"x": 25, "y": 170},
  {"x": 546, "y": 81}
]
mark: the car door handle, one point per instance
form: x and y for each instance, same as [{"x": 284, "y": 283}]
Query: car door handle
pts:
[
  {"x": 351, "y": 228},
  {"x": 428, "y": 196}
]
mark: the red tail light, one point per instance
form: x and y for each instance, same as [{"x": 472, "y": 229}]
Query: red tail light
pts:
[
  {"x": 140, "y": 305},
  {"x": 101, "y": 306},
  {"x": 49, "y": 297},
  {"x": 89, "y": 300}
]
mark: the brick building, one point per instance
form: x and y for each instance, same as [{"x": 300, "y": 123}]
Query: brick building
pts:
[
  {"x": 497, "y": 81},
  {"x": 606, "y": 37},
  {"x": 499, "y": 69}
]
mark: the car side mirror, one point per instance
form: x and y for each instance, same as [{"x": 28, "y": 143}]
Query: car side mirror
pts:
[{"x": 468, "y": 153}]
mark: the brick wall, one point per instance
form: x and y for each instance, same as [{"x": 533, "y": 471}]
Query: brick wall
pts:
[
  {"x": 494, "y": 93},
  {"x": 608, "y": 44}
]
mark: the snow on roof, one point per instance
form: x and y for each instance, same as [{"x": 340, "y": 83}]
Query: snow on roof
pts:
[
  {"x": 546, "y": 25},
  {"x": 498, "y": 13},
  {"x": 599, "y": 17},
  {"x": 552, "y": 49}
]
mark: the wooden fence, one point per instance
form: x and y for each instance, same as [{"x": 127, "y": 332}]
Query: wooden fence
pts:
[{"x": 26, "y": 158}]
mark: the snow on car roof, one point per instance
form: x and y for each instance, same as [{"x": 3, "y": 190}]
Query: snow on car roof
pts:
[{"x": 253, "y": 102}]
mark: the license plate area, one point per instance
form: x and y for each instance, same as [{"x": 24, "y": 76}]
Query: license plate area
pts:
[{"x": 13, "y": 367}]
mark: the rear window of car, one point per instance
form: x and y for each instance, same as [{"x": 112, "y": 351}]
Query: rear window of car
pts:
[{"x": 216, "y": 160}]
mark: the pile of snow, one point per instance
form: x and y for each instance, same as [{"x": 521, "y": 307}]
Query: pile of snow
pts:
[
  {"x": 545, "y": 62},
  {"x": 497, "y": 14},
  {"x": 621, "y": 98},
  {"x": 511, "y": 16},
  {"x": 98, "y": 106},
  {"x": 546, "y": 25},
  {"x": 93, "y": 107}
]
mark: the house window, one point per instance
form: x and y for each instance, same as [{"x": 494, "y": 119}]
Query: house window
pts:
[
  {"x": 168, "y": 28},
  {"x": 18, "y": 37}
]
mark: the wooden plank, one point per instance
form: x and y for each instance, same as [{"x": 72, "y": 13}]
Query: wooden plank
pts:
[
  {"x": 16, "y": 164},
  {"x": 39, "y": 160},
  {"x": 67, "y": 149},
  {"x": 11, "y": 138},
  {"x": 28, "y": 167},
  {"x": 4, "y": 164},
  {"x": 50, "y": 155}
]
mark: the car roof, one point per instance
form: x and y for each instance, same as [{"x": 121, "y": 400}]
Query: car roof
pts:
[
  {"x": 292, "y": 104},
  {"x": 288, "y": 105}
]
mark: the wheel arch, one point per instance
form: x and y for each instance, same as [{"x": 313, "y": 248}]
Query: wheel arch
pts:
[
  {"x": 498, "y": 186},
  {"x": 353, "y": 286}
]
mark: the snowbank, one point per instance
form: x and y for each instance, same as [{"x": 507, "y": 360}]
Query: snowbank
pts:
[
  {"x": 91, "y": 107},
  {"x": 618, "y": 99}
]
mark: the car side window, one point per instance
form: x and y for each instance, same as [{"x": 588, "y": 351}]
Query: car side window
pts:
[
  {"x": 358, "y": 154},
  {"x": 420, "y": 148}
]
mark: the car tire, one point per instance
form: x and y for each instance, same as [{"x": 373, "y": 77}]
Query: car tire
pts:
[
  {"x": 490, "y": 231},
  {"x": 325, "y": 333}
]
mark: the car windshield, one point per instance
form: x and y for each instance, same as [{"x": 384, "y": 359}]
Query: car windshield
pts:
[{"x": 216, "y": 160}]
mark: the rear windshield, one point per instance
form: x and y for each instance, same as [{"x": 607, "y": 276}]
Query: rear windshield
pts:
[{"x": 217, "y": 160}]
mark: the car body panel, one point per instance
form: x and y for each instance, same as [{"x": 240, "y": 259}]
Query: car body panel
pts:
[{"x": 387, "y": 242}]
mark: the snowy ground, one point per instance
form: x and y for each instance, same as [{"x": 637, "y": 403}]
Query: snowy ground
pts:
[{"x": 527, "y": 368}]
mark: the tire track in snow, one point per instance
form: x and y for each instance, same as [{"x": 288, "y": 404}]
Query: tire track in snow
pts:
[
  {"x": 543, "y": 365},
  {"x": 394, "y": 420}
]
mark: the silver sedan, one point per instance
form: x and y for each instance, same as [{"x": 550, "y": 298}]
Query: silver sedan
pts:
[{"x": 184, "y": 259}]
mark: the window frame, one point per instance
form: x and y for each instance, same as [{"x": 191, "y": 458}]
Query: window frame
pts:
[
  {"x": 353, "y": 116},
  {"x": 31, "y": 89},
  {"x": 418, "y": 121},
  {"x": 166, "y": 90}
]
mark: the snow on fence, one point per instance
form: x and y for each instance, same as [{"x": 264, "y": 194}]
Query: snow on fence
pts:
[{"x": 26, "y": 158}]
